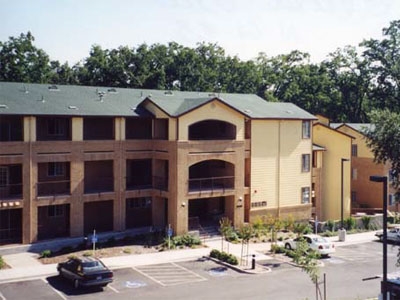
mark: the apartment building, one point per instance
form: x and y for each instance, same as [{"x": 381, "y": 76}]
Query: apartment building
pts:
[
  {"x": 74, "y": 159},
  {"x": 366, "y": 196}
]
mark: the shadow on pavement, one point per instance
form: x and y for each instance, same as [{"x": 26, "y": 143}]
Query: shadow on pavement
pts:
[{"x": 66, "y": 287}]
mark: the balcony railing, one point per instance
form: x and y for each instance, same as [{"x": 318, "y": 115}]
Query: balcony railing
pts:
[
  {"x": 53, "y": 188},
  {"x": 211, "y": 184},
  {"x": 138, "y": 183},
  {"x": 100, "y": 185},
  {"x": 11, "y": 191}
]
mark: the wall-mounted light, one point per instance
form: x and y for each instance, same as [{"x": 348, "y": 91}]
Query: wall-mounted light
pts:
[
  {"x": 240, "y": 199},
  {"x": 183, "y": 204}
]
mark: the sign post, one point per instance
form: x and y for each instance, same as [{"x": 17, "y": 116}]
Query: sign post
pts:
[
  {"x": 169, "y": 233},
  {"x": 94, "y": 241}
]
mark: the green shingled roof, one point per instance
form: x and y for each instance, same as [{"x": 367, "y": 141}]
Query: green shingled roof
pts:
[{"x": 45, "y": 99}]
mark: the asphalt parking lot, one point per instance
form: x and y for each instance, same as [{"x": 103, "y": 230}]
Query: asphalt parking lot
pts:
[{"x": 126, "y": 280}]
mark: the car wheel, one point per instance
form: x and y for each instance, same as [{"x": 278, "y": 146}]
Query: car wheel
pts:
[
  {"x": 76, "y": 283},
  {"x": 287, "y": 246}
]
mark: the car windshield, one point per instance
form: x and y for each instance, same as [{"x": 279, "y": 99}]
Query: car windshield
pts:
[{"x": 92, "y": 265}]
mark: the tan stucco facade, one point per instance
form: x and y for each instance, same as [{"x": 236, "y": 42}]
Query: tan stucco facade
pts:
[{"x": 331, "y": 180}]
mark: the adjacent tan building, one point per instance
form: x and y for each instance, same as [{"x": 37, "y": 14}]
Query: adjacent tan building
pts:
[{"x": 75, "y": 159}]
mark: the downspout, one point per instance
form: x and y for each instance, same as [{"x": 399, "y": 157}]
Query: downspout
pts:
[{"x": 279, "y": 170}]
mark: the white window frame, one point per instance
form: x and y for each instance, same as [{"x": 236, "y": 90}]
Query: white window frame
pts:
[{"x": 305, "y": 195}]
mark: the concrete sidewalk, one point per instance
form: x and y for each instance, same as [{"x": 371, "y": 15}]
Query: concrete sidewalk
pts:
[{"x": 25, "y": 265}]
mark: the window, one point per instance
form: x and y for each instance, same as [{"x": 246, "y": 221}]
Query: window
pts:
[
  {"x": 306, "y": 129},
  {"x": 354, "y": 150},
  {"x": 353, "y": 196},
  {"x": 305, "y": 163},
  {"x": 354, "y": 174},
  {"x": 3, "y": 176},
  {"x": 55, "y": 169},
  {"x": 305, "y": 195},
  {"x": 55, "y": 211},
  {"x": 259, "y": 204},
  {"x": 143, "y": 202},
  {"x": 55, "y": 127}
]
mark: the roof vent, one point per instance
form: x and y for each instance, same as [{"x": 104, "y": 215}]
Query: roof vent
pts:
[
  {"x": 3, "y": 106},
  {"x": 212, "y": 94},
  {"x": 247, "y": 111},
  {"x": 289, "y": 112},
  {"x": 53, "y": 88},
  {"x": 42, "y": 99},
  {"x": 168, "y": 93},
  {"x": 25, "y": 89},
  {"x": 112, "y": 90},
  {"x": 101, "y": 95},
  {"x": 73, "y": 107},
  {"x": 149, "y": 95}
]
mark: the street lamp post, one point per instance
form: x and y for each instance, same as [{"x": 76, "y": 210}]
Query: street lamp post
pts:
[
  {"x": 384, "y": 181},
  {"x": 341, "y": 193}
]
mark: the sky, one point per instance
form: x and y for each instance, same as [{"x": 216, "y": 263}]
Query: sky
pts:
[{"x": 67, "y": 29}]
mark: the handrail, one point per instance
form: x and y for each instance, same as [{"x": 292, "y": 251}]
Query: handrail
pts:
[
  {"x": 53, "y": 188},
  {"x": 211, "y": 183}
]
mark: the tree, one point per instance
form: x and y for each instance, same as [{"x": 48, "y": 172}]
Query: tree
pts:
[
  {"x": 384, "y": 60},
  {"x": 307, "y": 260},
  {"x": 351, "y": 77},
  {"x": 383, "y": 138},
  {"x": 225, "y": 228},
  {"x": 21, "y": 61}
]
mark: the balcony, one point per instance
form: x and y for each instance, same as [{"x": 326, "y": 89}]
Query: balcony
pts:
[
  {"x": 138, "y": 183},
  {"x": 53, "y": 188},
  {"x": 11, "y": 191},
  {"x": 160, "y": 183},
  {"x": 212, "y": 184},
  {"x": 99, "y": 185}
]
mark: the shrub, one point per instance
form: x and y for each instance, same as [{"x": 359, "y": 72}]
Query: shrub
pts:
[
  {"x": 127, "y": 250},
  {"x": 87, "y": 253},
  {"x": 366, "y": 220},
  {"x": 45, "y": 253},
  {"x": 277, "y": 249},
  {"x": 2, "y": 263},
  {"x": 181, "y": 241},
  {"x": 349, "y": 223},
  {"x": 330, "y": 225},
  {"x": 225, "y": 257}
]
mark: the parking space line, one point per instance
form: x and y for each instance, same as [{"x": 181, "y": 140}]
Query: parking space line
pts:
[
  {"x": 113, "y": 289},
  {"x": 169, "y": 274},
  {"x": 190, "y": 271},
  {"x": 57, "y": 291},
  {"x": 2, "y": 297},
  {"x": 148, "y": 276}
]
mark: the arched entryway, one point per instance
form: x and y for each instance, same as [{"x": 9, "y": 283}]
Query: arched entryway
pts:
[{"x": 212, "y": 130}]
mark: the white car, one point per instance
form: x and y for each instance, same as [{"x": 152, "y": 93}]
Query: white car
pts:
[{"x": 315, "y": 242}]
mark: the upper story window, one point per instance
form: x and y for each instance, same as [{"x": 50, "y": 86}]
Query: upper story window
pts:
[
  {"x": 11, "y": 128},
  {"x": 305, "y": 163},
  {"x": 306, "y": 129},
  {"x": 56, "y": 169},
  {"x": 53, "y": 128},
  {"x": 161, "y": 129},
  {"x": 3, "y": 176},
  {"x": 98, "y": 128},
  {"x": 139, "y": 128},
  {"x": 354, "y": 150},
  {"x": 212, "y": 130}
]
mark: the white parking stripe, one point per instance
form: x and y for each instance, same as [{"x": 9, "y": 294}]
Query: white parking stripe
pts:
[
  {"x": 169, "y": 274},
  {"x": 2, "y": 297},
  {"x": 57, "y": 291},
  {"x": 113, "y": 289}
]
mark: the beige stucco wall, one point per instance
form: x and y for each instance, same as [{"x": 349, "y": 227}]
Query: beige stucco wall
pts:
[
  {"x": 159, "y": 114},
  {"x": 359, "y": 140},
  {"x": 337, "y": 146},
  {"x": 215, "y": 110},
  {"x": 77, "y": 129},
  {"x": 276, "y": 155}
]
